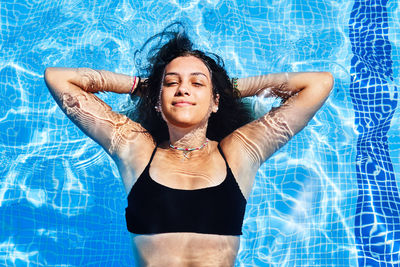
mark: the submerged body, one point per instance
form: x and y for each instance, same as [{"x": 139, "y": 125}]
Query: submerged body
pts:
[
  {"x": 186, "y": 101},
  {"x": 185, "y": 248}
]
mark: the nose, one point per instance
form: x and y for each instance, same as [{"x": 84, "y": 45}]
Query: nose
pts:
[{"x": 182, "y": 90}]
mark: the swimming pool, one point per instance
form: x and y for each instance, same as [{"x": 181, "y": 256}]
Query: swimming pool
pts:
[{"x": 328, "y": 198}]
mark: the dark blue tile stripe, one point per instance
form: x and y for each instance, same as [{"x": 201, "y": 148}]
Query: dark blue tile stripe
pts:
[{"x": 377, "y": 220}]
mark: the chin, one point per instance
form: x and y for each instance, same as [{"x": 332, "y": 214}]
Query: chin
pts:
[
  {"x": 184, "y": 120},
  {"x": 181, "y": 124}
]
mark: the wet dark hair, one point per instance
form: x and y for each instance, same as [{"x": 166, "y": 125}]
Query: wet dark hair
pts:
[{"x": 173, "y": 42}]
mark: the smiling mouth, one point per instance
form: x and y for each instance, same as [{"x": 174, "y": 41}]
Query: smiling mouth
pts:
[{"x": 182, "y": 104}]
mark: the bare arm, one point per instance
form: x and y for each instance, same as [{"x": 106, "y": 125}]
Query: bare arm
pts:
[
  {"x": 303, "y": 94},
  {"x": 283, "y": 85},
  {"x": 73, "y": 90}
]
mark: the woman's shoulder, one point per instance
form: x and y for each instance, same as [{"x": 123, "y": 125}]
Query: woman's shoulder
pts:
[
  {"x": 136, "y": 147},
  {"x": 132, "y": 159},
  {"x": 243, "y": 169}
]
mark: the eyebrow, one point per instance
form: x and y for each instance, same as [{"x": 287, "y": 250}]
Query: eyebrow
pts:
[{"x": 193, "y": 73}]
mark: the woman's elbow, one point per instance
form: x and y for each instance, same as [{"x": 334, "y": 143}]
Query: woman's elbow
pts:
[
  {"x": 55, "y": 76},
  {"x": 49, "y": 74},
  {"x": 327, "y": 80}
]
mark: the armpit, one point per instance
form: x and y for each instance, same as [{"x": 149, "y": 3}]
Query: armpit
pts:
[
  {"x": 128, "y": 132},
  {"x": 97, "y": 120},
  {"x": 262, "y": 137}
]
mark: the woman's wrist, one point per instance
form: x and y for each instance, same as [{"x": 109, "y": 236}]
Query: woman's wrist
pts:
[
  {"x": 234, "y": 82},
  {"x": 138, "y": 85},
  {"x": 243, "y": 85},
  {"x": 136, "y": 82}
]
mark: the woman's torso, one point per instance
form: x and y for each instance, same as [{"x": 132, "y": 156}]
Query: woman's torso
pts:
[{"x": 206, "y": 168}]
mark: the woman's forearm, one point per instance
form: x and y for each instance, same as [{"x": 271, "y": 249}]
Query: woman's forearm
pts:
[
  {"x": 94, "y": 81},
  {"x": 283, "y": 85}
]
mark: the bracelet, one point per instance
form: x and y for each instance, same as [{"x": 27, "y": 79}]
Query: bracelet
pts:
[
  {"x": 138, "y": 86},
  {"x": 133, "y": 86},
  {"x": 235, "y": 83}
]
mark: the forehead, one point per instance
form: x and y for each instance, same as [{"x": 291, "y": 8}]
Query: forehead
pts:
[{"x": 187, "y": 65}]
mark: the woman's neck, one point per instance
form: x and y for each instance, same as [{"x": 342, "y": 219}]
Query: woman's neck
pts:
[{"x": 187, "y": 137}]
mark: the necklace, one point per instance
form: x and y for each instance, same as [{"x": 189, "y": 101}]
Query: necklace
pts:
[{"x": 186, "y": 151}]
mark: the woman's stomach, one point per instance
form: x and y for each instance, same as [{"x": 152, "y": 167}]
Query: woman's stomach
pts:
[{"x": 185, "y": 249}]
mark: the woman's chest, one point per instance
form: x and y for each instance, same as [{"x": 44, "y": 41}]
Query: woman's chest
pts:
[
  {"x": 188, "y": 176},
  {"x": 185, "y": 174}
]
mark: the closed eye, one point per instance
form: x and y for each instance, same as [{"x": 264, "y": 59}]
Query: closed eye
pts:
[{"x": 170, "y": 83}]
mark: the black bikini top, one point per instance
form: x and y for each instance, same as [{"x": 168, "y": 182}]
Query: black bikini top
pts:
[{"x": 154, "y": 208}]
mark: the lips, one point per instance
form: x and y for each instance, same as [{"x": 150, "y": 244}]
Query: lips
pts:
[{"x": 182, "y": 103}]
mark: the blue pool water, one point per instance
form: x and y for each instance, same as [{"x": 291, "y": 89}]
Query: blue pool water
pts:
[{"x": 330, "y": 197}]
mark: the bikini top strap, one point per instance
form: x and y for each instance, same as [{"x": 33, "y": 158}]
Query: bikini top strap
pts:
[
  {"x": 222, "y": 153},
  {"x": 152, "y": 156}
]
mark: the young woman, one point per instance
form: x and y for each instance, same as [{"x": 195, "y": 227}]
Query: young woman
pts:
[{"x": 189, "y": 159}]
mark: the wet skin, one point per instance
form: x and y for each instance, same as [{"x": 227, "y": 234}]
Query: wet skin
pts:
[{"x": 186, "y": 107}]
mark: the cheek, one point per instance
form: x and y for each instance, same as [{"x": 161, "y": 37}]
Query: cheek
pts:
[
  {"x": 207, "y": 108},
  {"x": 164, "y": 96}
]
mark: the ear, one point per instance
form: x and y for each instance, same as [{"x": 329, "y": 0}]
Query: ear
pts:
[
  {"x": 158, "y": 107},
  {"x": 216, "y": 103}
]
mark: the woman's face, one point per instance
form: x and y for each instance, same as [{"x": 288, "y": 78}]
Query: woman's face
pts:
[{"x": 186, "y": 96}]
